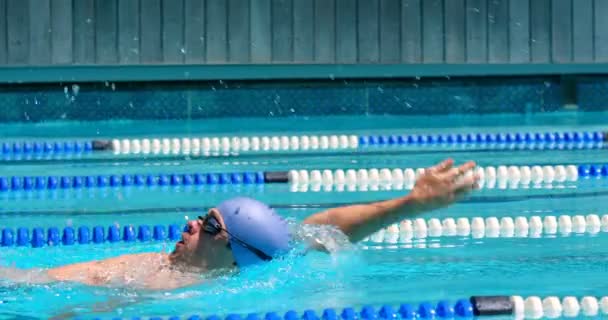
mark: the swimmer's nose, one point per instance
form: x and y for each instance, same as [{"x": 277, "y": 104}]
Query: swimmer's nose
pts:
[{"x": 192, "y": 226}]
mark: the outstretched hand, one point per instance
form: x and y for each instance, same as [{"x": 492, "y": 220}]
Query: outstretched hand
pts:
[{"x": 443, "y": 184}]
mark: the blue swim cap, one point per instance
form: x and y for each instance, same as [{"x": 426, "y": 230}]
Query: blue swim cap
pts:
[{"x": 256, "y": 224}]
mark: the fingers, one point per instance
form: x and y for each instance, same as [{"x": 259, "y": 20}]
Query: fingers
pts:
[
  {"x": 467, "y": 183},
  {"x": 467, "y": 166},
  {"x": 455, "y": 173},
  {"x": 442, "y": 166}
]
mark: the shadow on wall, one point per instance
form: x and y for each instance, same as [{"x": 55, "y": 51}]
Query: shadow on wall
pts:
[{"x": 194, "y": 100}]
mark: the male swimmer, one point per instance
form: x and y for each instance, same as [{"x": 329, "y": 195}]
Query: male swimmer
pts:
[{"x": 242, "y": 232}]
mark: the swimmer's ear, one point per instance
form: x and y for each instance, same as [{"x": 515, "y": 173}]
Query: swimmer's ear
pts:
[{"x": 218, "y": 216}]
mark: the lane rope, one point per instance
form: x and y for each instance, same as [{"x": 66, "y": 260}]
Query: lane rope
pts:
[
  {"x": 518, "y": 307},
  {"x": 18, "y": 183},
  {"x": 301, "y": 180},
  {"x": 228, "y": 145},
  {"x": 404, "y": 232},
  {"x": 490, "y": 227},
  {"x": 231, "y": 145},
  {"x": 48, "y": 147},
  {"x": 398, "y": 179}
]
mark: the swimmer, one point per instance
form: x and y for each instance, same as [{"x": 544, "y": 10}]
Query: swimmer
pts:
[{"x": 242, "y": 232}]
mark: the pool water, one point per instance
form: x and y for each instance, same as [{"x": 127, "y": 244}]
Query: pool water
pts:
[{"x": 427, "y": 270}]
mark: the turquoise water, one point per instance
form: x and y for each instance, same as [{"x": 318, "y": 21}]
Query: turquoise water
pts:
[{"x": 447, "y": 268}]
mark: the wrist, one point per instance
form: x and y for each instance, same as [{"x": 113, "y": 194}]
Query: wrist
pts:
[{"x": 413, "y": 202}]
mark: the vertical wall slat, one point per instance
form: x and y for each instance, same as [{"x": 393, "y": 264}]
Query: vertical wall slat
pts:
[
  {"x": 540, "y": 31},
  {"x": 217, "y": 48},
  {"x": 477, "y": 32},
  {"x": 151, "y": 50},
  {"x": 282, "y": 36},
  {"x": 173, "y": 31},
  {"x": 455, "y": 26},
  {"x": 325, "y": 31},
  {"x": 367, "y": 31},
  {"x": 195, "y": 31},
  {"x": 106, "y": 12},
  {"x": 303, "y": 15},
  {"x": 600, "y": 36},
  {"x": 582, "y": 31},
  {"x": 3, "y": 51},
  {"x": 519, "y": 31},
  {"x": 498, "y": 31},
  {"x": 238, "y": 31},
  {"x": 411, "y": 31},
  {"x": 129, "y": 32},
  {"x": 84, "y": 31},
  {"x": 61, "y": 31},
  {"x": 432, "y": 31},
  {"x": 561, "y": 25},
  {"x": 18, "y": 33},
  {"x": 261, "y": 30},
  {"x": 40, "y": 32},
  {"x": 390, "y": 28},
  {"x": 346, "y": 35}
]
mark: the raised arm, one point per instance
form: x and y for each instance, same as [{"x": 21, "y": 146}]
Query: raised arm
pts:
[{"x": 437, "y": 187}]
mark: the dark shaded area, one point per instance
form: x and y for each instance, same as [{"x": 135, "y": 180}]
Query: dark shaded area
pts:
[{"x": 217, "y": 99}]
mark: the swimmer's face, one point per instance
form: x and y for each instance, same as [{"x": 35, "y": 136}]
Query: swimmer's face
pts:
[{"x": 201, "y": 249}]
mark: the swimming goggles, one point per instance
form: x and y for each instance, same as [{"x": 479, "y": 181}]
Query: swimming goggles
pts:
[{"x": 212, "y": 227}]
